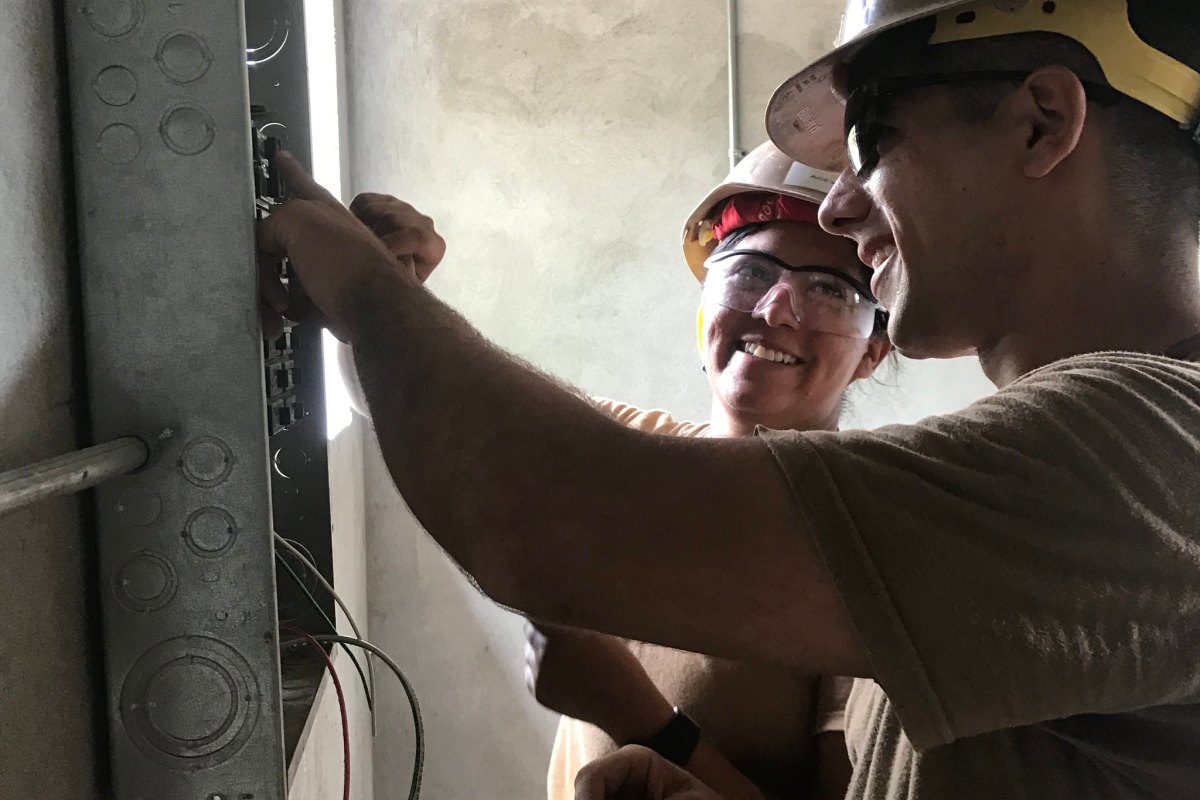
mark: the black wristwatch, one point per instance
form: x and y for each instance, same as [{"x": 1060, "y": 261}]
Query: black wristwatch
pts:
[{"x": 677, "y": 740}]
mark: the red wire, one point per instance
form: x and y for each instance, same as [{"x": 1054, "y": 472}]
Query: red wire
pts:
[{"x": 341, "y": 696}]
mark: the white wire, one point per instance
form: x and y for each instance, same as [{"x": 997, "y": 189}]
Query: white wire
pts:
[
  {"x": 295, "y": 551},
  {"x": 414, "y": 789}
]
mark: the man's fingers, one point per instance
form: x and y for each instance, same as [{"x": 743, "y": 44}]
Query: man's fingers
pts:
[
  {"x": 536, "y": 640},
  {"x": 272, "y": 321},
  {"x": 301, "y": 309},
  {"x": 424, "y": 246},
  {"x": 278, "y": 232},
  {"x": 635, "y": 773},
  {"x": 274, "y": 294},
  {"x": 302, "y": 185},
  {"x": 405, "y": 231},
  {"x": 383, "y": 213},
  {"x": 304, "y": 230},
  {"x": 278, "y": 302},
  {"x": 371, "y": 205},
  {"x": 623, "y": 774},
  {"x": 271, "y": 235}
]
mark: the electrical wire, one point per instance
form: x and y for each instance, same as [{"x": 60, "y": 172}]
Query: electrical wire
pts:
[
  {"x": 308, "y": 554},
  {"x": 295, "y": 551},
  {"x": 332, "y": 629},
  {"x": 341, "y": 697},
  {"x": 414, "y": 790}
]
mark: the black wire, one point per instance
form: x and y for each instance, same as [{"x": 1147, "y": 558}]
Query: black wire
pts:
[
  {"x": 414, "y": 790},
  {"x": 294, "y": 549},
  {"x": 333, "y": 627}
]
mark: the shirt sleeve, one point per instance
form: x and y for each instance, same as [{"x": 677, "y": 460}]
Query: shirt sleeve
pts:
[
  {"x": 832, "y": 693},
  {"x": 1034, "y": 557},
  {"x": 576, "y": 744},
  {"x": 653, "y": 421}
]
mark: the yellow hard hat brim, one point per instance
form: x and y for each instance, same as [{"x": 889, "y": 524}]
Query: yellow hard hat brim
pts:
[{"x": 806, "y": 116}]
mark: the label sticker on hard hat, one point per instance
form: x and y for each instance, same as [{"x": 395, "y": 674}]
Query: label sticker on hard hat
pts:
[{"x": 805, "y": 177}]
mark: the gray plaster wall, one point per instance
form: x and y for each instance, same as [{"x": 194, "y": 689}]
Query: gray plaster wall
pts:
[
  {"x": 559, "y": 146},
  {"x": 46, "y": 713}
]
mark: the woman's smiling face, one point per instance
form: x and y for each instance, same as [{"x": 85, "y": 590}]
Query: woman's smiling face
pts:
[{"x": 769, "y": 368}]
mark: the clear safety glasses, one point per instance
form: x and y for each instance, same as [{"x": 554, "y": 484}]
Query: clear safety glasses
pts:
[{"x": 820, "y": 298}]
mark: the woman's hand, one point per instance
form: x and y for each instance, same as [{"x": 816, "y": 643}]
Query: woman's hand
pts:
[
  {"x": 595, "y": 678},
  {"x": 635, "y": 773}
]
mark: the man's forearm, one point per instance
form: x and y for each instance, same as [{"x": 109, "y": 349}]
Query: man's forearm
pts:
[{"x": 458, "y": 418}]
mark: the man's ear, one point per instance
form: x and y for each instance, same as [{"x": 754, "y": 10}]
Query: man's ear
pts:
[
  {"x": 1053, "y": 110},
  {"x": 877, "y": 350}
]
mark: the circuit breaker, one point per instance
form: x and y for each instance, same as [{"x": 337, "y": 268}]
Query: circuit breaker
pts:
[{"x": 178, "y": 108}]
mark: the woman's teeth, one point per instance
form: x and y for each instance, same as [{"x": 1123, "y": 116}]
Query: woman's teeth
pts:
[{"x": 767, "y": 354}]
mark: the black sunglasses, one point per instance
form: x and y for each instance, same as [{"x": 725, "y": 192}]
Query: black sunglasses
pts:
[{"x": 865, "y": 131}]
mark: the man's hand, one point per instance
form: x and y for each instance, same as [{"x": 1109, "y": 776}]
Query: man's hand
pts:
[
  {"x": 407, "y": 233},
  {"x": 332, "y": 253},
  {"x": 635, "y": 773},
  {"x": 594, "y": 678},
  {"x": 332, "y": 250}
]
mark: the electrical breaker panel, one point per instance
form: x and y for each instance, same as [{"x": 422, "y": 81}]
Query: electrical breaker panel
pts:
[
  {"x": 178, "y": 109},
  {"x": 293, "y": 367}
]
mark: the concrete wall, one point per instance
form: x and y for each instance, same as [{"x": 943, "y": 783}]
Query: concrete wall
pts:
[
  {"x": 559, "y": 146},
  {"x": 46, "y": 711}
]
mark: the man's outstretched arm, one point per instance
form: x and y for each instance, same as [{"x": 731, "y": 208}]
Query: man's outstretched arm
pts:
[{"x": 552, "y": 507}]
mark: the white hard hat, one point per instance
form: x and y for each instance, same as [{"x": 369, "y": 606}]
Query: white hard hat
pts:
[
  {"x": 806, "y": 117},
  {"x": 766, "y": 169}
]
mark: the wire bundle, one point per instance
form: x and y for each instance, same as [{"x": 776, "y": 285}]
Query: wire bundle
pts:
[
  {"x": 368, "y": 679},
  {"x": 341, "y": 696}
]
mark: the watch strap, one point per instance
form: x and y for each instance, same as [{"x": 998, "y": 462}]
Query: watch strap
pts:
[{"x": 677, "y": 740}]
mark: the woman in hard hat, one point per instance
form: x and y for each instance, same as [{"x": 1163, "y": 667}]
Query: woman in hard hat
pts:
[{"x": 787, "y": 323}]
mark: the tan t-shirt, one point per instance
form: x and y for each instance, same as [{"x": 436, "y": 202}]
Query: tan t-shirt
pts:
[
  {"x": 762, "y": 718},
  {"x": 1026, "y": 576}
]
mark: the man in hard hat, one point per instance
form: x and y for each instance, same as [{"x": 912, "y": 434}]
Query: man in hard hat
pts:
[{"x": 1021, "y": 580}]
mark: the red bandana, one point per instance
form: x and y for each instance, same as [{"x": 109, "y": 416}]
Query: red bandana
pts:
[{"x": 749, "y": 209}]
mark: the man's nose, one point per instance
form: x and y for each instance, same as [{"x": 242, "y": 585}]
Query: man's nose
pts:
[
  {"x": 846, "y": 206},
  {"x": 777, "y": 308}
]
